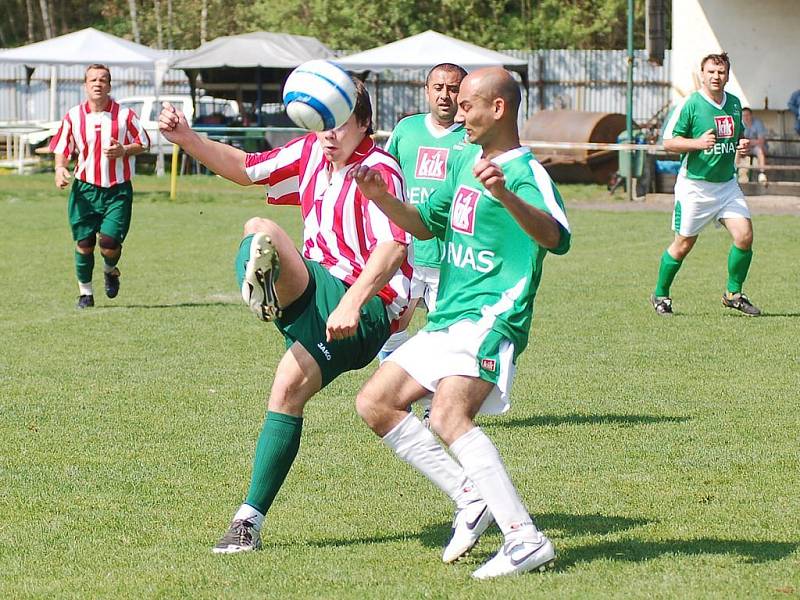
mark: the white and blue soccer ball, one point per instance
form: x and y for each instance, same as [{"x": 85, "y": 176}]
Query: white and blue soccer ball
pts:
[{"x": 319, "y": 95}]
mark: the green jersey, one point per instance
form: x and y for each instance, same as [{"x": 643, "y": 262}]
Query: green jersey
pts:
[
  {"x": 491, "y": 268},
  {"x": 423, "y": 152},
  {"x": 696, "y": 114}
]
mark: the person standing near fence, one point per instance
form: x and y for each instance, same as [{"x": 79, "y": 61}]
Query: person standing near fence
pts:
[
  {"x": 106, "y": 138},
  {"x": 706, "y": 129}
]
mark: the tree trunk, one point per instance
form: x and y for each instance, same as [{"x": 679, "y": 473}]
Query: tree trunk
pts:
[
  {"x": 203, "y": 21},
  {"x": 134, "y": 22},
  {"x": 29, "y": 9},
  {"x": 48, "y": 27},
  {"x": 159, "y": 36},
  {"x": 169, "y": 25}
]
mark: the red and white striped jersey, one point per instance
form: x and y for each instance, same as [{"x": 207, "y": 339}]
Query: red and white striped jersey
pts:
[
  {"x": 341, "y": 226},
  {"x": 88, "y": 133}
]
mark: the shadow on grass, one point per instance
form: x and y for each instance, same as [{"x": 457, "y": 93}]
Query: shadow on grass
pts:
[
  {"x": 574, "y": 419},
  {"x": 640, "y": 550}
]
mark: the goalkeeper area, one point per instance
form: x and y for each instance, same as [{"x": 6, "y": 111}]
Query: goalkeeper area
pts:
[{"x": 659, "y": 455}]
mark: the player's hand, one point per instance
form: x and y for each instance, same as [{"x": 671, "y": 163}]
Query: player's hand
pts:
[
  {"x": 342, "y": 322},
  {"x": 172, "y": 124},
  {"x": 743, "y": 146},
  {"x": 114, "y": 149},
  {"x": 707, "y": 140},
  {"x": 62, "y": 177},
  {"x": 369, "y": 181},
  {"x": 491, "y": 176}
]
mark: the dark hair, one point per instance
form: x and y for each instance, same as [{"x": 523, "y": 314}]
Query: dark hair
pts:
[
  {"x": 97, "y": 66},
  {"x": 717, "y": 59},
  {"x": 747, "y": 108},
  {"x": 448, "y": 68},
  {"x": 363, "y": 107}
]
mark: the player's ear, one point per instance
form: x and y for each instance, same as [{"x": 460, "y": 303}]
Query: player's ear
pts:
[{"x": 499, "y": 108}]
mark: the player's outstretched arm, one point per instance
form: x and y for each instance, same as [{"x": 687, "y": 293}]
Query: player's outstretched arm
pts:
[
  {"x": 381, "y": 265},
  {"x": 539, "y": 225},
  {"x": 223, "y": 159},
  {"x": 373, "y": 186}
]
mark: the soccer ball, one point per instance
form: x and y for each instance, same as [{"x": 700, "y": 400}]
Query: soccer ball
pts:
[{"x": 319, "y": 95}]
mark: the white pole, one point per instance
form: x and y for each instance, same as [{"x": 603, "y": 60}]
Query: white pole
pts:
[{"x": 53, "y": 92}]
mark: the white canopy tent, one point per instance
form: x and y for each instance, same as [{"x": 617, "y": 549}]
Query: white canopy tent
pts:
[
  {"x": 427, "y": 49},
  {"x": 85, "y": 47}
]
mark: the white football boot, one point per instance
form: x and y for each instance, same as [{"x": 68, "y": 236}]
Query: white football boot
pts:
[
  {"x": 469, "y": 524},
  {"x": 258, "y": 287},
  {"x": 519, "y": 556}
]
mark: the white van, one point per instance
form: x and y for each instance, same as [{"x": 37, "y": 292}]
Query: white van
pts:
[{"x": 211, "y": 110}]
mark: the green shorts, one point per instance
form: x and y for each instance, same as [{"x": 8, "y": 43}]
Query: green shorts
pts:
[
  {"x": 93, "y": 209},
  {"x": 304, "y": 320}
]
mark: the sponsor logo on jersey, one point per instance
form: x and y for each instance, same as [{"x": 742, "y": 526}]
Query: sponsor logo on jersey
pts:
[
  {"x": 721, "y": 148},
  {"x": 465, "y": 203},
  {"x": 431, "y": 163},
  {"x": 488, "y": 364},
  {"x": 724, "y": 126},
  {"x": 465, "y": 257}
]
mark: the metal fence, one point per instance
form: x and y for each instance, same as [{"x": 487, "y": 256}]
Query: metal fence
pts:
[{"x": 592, "y": 80}]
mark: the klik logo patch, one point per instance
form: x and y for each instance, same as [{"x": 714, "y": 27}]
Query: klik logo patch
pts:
[
  {"x": 488, "y": 364},
  {"x": 464, "y": 205},
  {"x": 431, "y": 163},
  {"x": 724, "y": 126}
]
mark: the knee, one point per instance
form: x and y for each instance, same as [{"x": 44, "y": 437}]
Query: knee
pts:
[
  {"x": 86, "y": 245},
  {"x": 108, "y": 243},
  {"x": 256, "y": 224},
  {"x": 681, "y": 247},
  {"x": 744, "y": 240},
  {"x": 446, "y": 423},
  {"x": 368, "y": 407}
]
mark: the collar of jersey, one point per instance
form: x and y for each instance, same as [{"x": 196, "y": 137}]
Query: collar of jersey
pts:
[
  {"x": 510, "y": 155},
  {"x": 87, "y": 108},
  {"x": 364, "y": 147},
  {"x": 711, "y": 100},
  {"x": 437, "y": 132}
]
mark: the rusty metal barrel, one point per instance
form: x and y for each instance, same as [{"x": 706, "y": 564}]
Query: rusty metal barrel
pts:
[{"x": 576, "y": 165}]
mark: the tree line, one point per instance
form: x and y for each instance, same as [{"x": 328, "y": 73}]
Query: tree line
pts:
[{"x": 339, "y": 24}]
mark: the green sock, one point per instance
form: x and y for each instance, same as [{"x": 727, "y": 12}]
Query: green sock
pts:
[
  {"x": 242, "y": 256},
  {"x": 275, "y": 453},
  {"x": 666, "y": 273},
  {"x": 738, "y": 265},
  {"x": 84, "y": 265}
]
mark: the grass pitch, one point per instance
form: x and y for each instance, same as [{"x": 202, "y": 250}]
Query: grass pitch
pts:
[{"x": 661, "y": 455}]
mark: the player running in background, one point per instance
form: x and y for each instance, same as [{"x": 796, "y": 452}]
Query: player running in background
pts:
[
  {"x": 422, "y": 144},
  {"x": 706, "y": 129},
  {"x": 106, "y": 137},
  {"x": 336, "y": 304},
  {"x": 498, "y": 214}
]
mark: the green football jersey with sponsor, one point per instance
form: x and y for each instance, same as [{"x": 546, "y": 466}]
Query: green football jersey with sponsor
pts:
[
  {"x": 491, "y": 268},
  {"x": 691, "y": 119},
  {"x": 423, "y": 152}
]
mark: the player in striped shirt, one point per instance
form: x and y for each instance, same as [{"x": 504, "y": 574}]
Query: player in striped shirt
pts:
[
  {"x": 335, "y": 302},
  {"x": 498, "y": 216},
  {"x": 105, "y": 137}
]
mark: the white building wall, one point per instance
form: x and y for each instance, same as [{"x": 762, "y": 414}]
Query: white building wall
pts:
[{"x": 762, "y": 38}]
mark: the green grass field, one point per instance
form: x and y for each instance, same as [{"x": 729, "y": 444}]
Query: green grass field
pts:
[{"x": 661, "y": 455}]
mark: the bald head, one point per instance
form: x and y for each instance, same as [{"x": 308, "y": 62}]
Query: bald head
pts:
[{"x": 495, "y": 82}]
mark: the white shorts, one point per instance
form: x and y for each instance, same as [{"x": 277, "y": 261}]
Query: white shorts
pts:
[
  {"x": 425, "y": 285},
  {"x": 699, "y": 202},
  {"x": 430, "y": 356}
]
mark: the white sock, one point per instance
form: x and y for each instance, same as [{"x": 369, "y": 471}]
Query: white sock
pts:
[
  {"x": 395, "y": 340},
  {"x": 483, "y": 465},
  {"x": 248, "y": 513},
  {"x": 416, "y": 445},
  {"x": 108, "y": 268},
  {"x": 85, "y": 288}
]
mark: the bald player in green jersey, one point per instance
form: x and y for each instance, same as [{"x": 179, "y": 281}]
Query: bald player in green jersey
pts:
[
  {"x": 498, "y": 215},
  {"x": 706, "y": 129}
]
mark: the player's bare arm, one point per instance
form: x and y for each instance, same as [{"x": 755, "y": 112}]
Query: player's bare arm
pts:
[
  {"x": 224, "y": 160},
  {"x": 680, "y": 145},
  {"x": 382, "y": 264},
  {"x": 540, "y": 226},
  {"x": 62, "y": 175},
  {"x": 373, "y": 186},
  {"x": 743, "y": 147}
]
